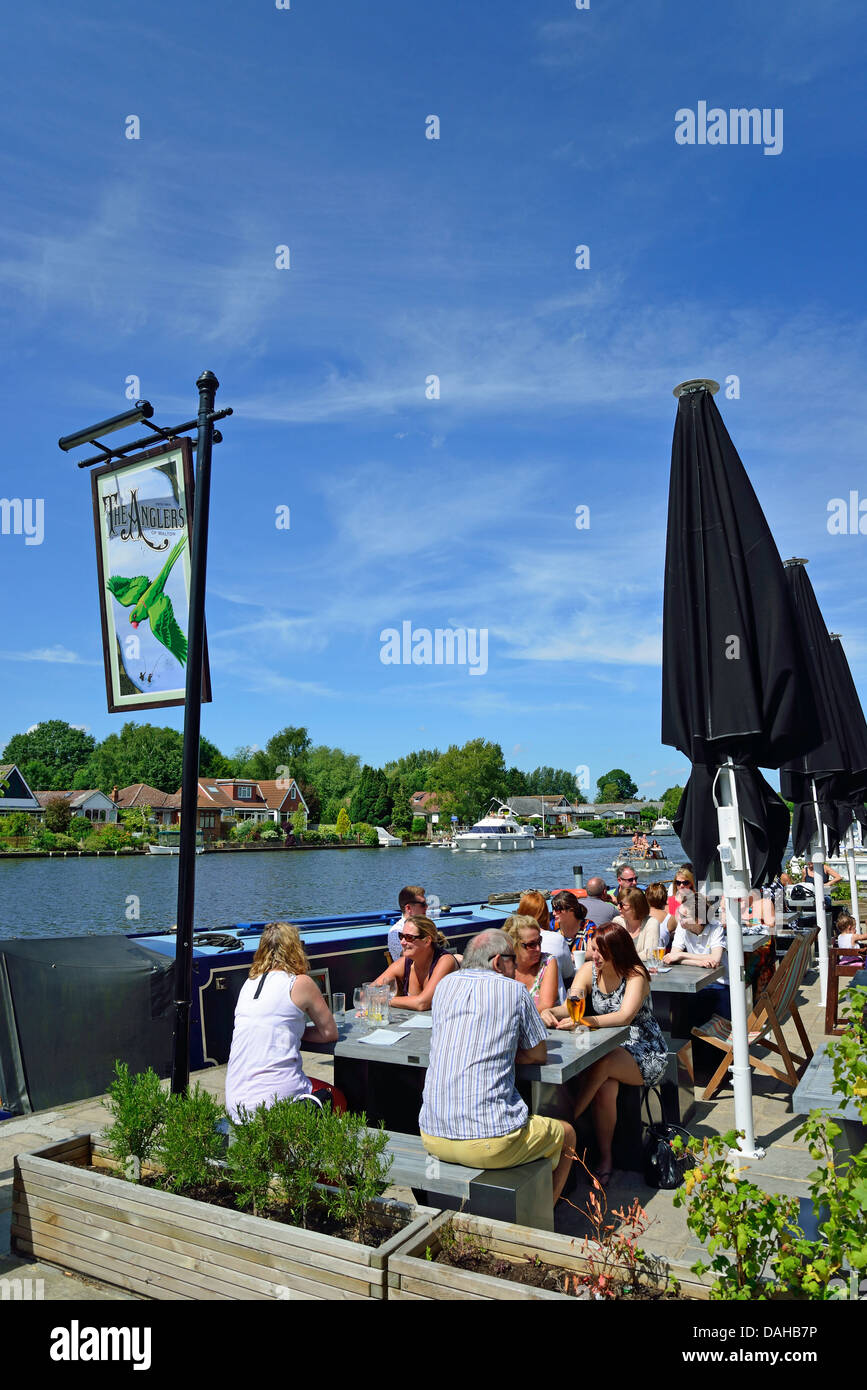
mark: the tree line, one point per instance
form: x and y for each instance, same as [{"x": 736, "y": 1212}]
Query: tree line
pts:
[{"x": 55, "y": 756}]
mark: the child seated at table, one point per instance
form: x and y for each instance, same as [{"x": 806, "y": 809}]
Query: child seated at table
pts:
[{"x": 848, "y": 937}]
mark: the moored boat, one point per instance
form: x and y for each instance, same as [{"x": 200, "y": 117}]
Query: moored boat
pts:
[{"x": 498, "y": 830}]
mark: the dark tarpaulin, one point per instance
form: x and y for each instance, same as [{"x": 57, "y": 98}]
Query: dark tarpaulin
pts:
[
  {"x": 731, "y": 654},
  {"x": 69, "y": 1006}
]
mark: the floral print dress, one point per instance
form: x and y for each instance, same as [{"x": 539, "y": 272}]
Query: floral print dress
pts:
[{"x": 646, "y": 1042}]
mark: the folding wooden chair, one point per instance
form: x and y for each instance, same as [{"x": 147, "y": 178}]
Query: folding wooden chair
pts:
[
  {"x": 774, "y": 1006},
  {"x": 837, "y": 971}
]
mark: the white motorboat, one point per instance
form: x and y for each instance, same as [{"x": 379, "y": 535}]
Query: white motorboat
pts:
[
  {"x": 578, "y": 834},
  {"x": 498, "y": 830},
  {"x": 663, "y": 826},
  {"x": 386, "y": 838}
]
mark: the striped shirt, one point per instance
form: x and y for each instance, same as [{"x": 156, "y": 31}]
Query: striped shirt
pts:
[{"x": 479, "y": 1020}]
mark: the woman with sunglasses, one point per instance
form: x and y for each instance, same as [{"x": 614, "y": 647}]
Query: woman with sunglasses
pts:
[
  {"x": 533, "y": 967},
  {"x": 425, "y": 961},
  {"x": 684, "y": 882},
  {"x": 618, "y": 987}
]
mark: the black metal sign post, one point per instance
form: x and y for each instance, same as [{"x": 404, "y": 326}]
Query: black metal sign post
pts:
[
  {"x": 207, "y": 436},
  {"x": 207, "y": 384}
]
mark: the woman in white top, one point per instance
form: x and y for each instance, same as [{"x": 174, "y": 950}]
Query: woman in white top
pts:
[{"x": 279, "y": 1009}]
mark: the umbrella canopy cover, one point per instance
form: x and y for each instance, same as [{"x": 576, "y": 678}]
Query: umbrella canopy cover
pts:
[
  {"x": 732, "y": 662},
  {"x": 732, "y": 658}
]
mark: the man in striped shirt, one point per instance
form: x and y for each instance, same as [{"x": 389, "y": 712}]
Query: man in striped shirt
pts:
[{"x": 483, "y": 1021}]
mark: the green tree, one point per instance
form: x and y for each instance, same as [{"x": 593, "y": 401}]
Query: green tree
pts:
[
  {"x": 312, "y": 802},
  {"x": 333, "y": 772},
  {"x": 465, "y": 779},
  {"x": 401, "y": 816},
  {"x": 671, "y": 801},
  {"x": 364, "y": 796},
  {"x": 212, "y": 763},
  {"x": 344, "y": 824},
  {"x": 553, "y": 781},
  {"x": 139, "y": 753},
  {"x": 57, "y": 746},
  {"x": 58, "y": 814},
  {"x": 288, "y": 749},
  {"x": 624, "y": 787}
]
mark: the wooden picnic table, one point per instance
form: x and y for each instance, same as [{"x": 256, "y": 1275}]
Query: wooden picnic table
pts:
[{"x": 387, "y": 1082}]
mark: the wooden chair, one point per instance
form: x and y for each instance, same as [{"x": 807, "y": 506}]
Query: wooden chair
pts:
[
  {"x": 837, "y": 971},
  {"x": 773, "y": 1008}
]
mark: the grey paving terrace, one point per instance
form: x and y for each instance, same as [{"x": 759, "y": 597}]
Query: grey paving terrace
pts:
[{"x": 785, "y": 1169}]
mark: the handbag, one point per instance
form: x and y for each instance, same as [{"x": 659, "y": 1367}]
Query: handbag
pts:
[{"x": 663, "y": 1167}]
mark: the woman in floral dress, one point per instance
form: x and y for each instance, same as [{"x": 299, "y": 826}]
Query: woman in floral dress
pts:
[{"x": 618, "y": 987}]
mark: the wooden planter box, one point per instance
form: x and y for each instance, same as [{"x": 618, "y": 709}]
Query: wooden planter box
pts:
[
  {"x": 168, "y": 1247},
  {"x": 412, "y": 1275}
]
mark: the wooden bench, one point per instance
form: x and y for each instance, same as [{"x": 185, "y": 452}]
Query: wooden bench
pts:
[{"x": 523, "y": 1195}]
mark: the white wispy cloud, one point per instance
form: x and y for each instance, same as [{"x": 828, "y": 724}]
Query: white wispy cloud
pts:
[{"x": 56, "y": 655}]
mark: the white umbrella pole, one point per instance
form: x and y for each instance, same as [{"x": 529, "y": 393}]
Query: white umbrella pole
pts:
[
  {"x": 853, "y": 877},
  {"x": 817, "y": 850},
  {"x": 736, "y": 887}
]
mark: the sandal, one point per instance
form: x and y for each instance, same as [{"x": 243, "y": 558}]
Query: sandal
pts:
[{"x": 603, "y": 1177}]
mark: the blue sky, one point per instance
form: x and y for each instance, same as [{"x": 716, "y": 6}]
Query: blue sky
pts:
[{"x": 413, "y": 257}]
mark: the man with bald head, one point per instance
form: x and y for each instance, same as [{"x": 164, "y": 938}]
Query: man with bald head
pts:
[
  {"x": 483, "y": 1021},
  {"x": 599, "y": 909}
]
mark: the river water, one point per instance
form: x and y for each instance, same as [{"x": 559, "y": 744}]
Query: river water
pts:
[{"x": 77, "y": 897}]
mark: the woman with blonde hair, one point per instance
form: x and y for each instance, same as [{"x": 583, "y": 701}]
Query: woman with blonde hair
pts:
[
  {"x": 636, "y": 917},
  {"x": 279, "y": 1009},
  {"x": 425, "y": 961},
  {"x": 533, "y": 967}
]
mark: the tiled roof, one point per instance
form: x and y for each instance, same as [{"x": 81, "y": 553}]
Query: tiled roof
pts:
[
  {"x": 140, "y": 794},
  {"x": 75, "y": 798}
]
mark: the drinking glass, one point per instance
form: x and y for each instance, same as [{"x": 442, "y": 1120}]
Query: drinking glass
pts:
[
  {"x": 359, "y": 1000},
  {"x": 338, "y": 1007},
  {"x": 575, "y": 1004}
]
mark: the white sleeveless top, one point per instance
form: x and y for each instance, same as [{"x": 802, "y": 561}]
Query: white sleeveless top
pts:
[{"x": 265, "y": 1058}]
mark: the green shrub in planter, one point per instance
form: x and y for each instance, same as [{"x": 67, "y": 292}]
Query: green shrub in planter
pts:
[
  {"x": 355, "y": 1164},
  {"x": 189, "y": 1142},
  {"x": 138, "y": 1106}
]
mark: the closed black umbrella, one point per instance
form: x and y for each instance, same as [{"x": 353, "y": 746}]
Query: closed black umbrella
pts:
[
  {"x": 850, "y": 789},
  {"x": 813, "y": 781},
  {"x": 824, "y": 764},
  {"x": 732, "y": 662},
  {"x": 732, "y": 696}
]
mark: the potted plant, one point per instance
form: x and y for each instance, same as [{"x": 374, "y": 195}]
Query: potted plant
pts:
[{"x": 151, "y": 1206}]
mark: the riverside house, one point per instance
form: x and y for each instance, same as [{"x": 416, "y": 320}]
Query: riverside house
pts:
[
  {"x": 93, "y": 804},
  {"x": 15, "y": 795}
]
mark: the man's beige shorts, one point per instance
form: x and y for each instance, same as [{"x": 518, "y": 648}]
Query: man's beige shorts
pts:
[{"x": 540, "y": 1138}]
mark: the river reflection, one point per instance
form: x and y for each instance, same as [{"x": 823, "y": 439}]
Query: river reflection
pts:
[{"x": 74, "y": 897}]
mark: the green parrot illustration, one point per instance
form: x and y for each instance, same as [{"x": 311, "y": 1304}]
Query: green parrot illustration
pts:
[{"x": 151, "y": 603}]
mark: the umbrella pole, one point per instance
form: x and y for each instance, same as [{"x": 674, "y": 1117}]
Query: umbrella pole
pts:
[
  {"x": 853, "y": 876},
  {"x": 736, "y": 887},
  {"x": 817, "y": 850}
]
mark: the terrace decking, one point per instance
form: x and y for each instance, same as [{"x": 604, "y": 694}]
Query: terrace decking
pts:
[{"x": 785, "y": 1168}]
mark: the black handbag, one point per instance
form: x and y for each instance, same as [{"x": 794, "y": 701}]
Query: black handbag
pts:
[{"x": 663, "y": 1167}]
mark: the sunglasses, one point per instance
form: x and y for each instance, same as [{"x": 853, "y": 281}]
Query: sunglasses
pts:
[
  {"x": 402, "y": 936},
  {"x": 532, "y": 945},
  {"x": 506, "y": 955},
  {"x": 682, "y": 883}
]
